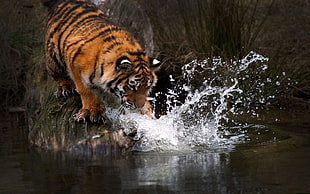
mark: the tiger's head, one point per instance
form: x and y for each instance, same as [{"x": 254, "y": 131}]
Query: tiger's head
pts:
[{"x": 135, "y": 77}]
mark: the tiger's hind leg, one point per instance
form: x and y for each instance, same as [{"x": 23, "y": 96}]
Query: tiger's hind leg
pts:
[{"x": 66, "y": 86}]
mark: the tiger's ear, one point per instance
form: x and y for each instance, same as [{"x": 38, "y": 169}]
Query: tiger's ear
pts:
[{"x": 155, "y": 64}]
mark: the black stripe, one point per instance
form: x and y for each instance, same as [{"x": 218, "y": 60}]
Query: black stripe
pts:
[
  {"x": 102, "y": 70},
  {"x": 128, "y": 87},
  {"x": 139, "y": 60},
  {"x": 92, "y": 76},
  {"x": 84, "y": 21},
  {"x": 114, "y": 28},
  {"x": 55, "y": 18},
  {"x": 109, "y": 84},
  {"x": 142, "y": 67},
  {"x": 88, "y": 41},
  {"x": 139, "y": 56},
  {"x": 122, "y": 79},
  {"x": 54, "y": 12},
  {"x": 118, "y": 80},
  {"x": 114, "y": 44},
  {"x": 63, "y": 20},
  {"x": 109, "y": 39},
  {"x": 61, "y": 10},
  {"x": 112, "y": 91},
  {"x": 73, "y": 20},
  {"x": 80, "y": 23},
  {"x": 137, "y": 53}
]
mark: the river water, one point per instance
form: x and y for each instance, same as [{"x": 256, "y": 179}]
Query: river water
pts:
[
  {"x": 203, "y": 144},
  {"x": 276, "y": 161}
]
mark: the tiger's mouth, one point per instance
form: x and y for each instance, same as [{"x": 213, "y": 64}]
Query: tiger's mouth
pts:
[
  {"x": 136, "y": 103},
  {"x": 127, "y": 107}
]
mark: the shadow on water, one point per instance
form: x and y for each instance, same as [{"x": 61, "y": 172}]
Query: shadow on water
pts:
[{"x": 276, "y": 161}]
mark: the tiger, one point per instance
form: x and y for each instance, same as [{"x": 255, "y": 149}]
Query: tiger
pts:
[{"x": 87, "y": 54}]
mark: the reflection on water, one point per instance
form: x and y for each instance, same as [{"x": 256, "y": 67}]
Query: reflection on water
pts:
[
  {"x": 175, "y": 172},
  {"x": 261, "y": 167}
]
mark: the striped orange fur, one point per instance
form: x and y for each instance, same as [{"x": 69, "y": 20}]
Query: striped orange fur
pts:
[{"x": 86, "y": 53}]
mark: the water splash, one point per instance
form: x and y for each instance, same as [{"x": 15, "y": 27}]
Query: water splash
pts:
[{"x": 199, "y": 122}]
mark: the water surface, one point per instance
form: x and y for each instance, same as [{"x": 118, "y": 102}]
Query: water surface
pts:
[
  {"x": 275, "y": 160},
  {"x": 201, "y": 145}
]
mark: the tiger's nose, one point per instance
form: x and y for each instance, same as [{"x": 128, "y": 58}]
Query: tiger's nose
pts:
[{"x": 140, "y": 101}]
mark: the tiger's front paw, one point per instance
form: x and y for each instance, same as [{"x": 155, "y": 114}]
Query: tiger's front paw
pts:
[{"x": 94, "y": 116}]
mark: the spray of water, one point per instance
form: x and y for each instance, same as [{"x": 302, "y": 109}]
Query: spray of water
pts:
[{"x": 199, "y": 122}]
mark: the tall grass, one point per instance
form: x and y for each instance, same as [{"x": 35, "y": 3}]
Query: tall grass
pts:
[
  {"x": 285, "y": 40},
  {"x": 177, "y": 31},
  {"x": 189, "y": 29},
  {"x": 199, "y": 29},
  {"x": 17, "y": 36}
]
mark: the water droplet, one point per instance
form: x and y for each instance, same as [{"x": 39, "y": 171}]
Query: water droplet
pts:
[{"x": 199, "y": 121}]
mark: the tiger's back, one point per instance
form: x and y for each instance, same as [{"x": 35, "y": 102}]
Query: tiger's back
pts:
[{"x": 85, "y": 52}]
